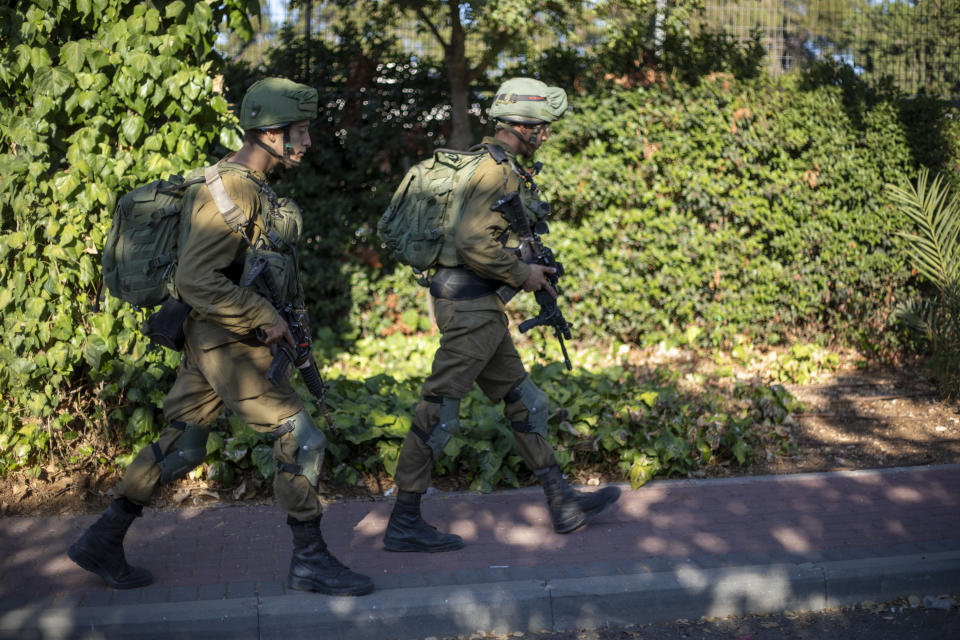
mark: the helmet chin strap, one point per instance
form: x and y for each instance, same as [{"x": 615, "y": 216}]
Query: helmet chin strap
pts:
[
  {"x": 287, "y": 158},
  {"x": 528, "y": 146}
]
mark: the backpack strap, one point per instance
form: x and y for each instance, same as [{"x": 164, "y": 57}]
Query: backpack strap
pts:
[
  {"x": 231, "y": 213},
  {"x": 496, "y": 152},
  {"x": 500, "y": 157}
]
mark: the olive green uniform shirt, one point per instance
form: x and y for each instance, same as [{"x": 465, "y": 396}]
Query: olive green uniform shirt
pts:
[
  {"x": 211, "y": 250},
  {"x": 478, "y": 234},
  {"x": 223, "y": 363}
]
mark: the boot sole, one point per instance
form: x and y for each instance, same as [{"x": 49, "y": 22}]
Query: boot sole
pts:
[
  {"x": 88, "y": 564},
  {"x": 411, "y": 547},
  {"x": 302, "y": 584}
]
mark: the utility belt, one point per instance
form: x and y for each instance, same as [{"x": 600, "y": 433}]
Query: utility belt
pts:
[{"x": 459, "y": 283}]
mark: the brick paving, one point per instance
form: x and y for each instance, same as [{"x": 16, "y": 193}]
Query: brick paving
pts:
[{"x": 216, "y": 553}]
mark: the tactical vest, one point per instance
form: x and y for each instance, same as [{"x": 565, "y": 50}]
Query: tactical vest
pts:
[
  {"x": 537, "y": 210},
  {"x": 281, "y": 224}
]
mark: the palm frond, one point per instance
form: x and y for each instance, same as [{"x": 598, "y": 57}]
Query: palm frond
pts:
[
  {"x": 935, "y": 212},
  {"x": 916, "y": 314}
]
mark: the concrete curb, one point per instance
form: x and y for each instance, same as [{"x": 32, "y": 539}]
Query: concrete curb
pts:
[
  {"x": 208, "y": 619},
  {"x": 683, "y": 591}
]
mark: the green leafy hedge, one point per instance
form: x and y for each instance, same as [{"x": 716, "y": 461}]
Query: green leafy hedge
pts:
[
  {"x": 738, "y": 207},
  {"x": 96, "y": 96},
  {"x": 734, "y": 207}
]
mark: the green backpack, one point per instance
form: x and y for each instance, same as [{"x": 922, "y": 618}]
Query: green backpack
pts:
[
  {"x": 419, "y": 224},
  {"x": 140, "y": 254}
]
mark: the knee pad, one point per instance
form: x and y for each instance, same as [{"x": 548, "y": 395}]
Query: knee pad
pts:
[
  {"x": 535, "y": 402},
  {"x": 311, "y": 447},
  {"x": 446, "y": 426},
  {"x": 191, "y": 451}
]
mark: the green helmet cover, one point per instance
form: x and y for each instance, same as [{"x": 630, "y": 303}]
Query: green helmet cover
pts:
[
  {"x": 274, "y": 102},
  {"x": 528, "y": 101}
]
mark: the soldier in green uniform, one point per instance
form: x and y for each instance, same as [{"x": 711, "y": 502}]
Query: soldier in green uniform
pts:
[
  {"x": 231, "y": 335},
  {"x": 476, "y": 346}
]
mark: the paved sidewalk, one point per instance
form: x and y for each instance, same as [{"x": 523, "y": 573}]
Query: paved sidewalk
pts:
[{"x": 671, "y": 549}]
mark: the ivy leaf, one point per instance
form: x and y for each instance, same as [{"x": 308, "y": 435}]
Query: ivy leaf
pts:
[
  {"x": 215, "y": 442},
  {"x": 740, "y": 450},
  {"x": 131, "y": 127},
  {"x": 102, "y": 324},
  {"x": 40, "y": 59},
  {"x": 139, "y": 61},
  {"x": 54, "y": 81},
  {"x": 174, "y": 9},
  {"x": 93, "y": 350},
  {"x": 262, "y": 456},
  {"x": 35, "y": 308},
  {"x": 649, "y": 398},
  {"x": 140, "y": 423},
  {"x": 71, "y": 55},
  {"x": 88, "y": 99},
  {"x": 230, "y": 138},
  {"x": 152, "y": 20},
  {"x": 65, "y": 183}
]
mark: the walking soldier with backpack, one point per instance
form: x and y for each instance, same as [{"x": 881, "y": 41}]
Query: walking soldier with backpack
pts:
[
  {"x": 472, "y": 258},
  {"x": 230, "y": 337}
]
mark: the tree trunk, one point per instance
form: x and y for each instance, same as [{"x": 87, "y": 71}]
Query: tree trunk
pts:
[{"x": 455, "y": 57}]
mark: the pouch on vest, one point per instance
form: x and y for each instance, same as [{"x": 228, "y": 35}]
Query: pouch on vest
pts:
[{"x": 419, "y": 224}]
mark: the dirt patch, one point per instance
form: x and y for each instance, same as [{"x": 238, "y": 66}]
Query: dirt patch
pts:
[{"x": 851, "y": 419}]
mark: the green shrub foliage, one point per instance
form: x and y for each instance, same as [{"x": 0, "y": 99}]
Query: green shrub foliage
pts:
[
  {"x": 736, "y": 206},
  {"x": 96, "y": 96}
]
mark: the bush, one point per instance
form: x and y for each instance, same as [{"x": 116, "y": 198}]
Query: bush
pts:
[
  {"x": 96, "y": 96},
  {"x": 737, "y": 206}
]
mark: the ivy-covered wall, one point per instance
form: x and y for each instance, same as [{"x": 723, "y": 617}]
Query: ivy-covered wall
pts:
[
  {"x": 749, "y": 207},
  {"x": 96, "y": 96}
]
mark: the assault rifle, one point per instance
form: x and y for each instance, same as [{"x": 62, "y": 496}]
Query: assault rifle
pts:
[
  {"x": 300, "y": 356},
  {"x": 532, "y": 251}
]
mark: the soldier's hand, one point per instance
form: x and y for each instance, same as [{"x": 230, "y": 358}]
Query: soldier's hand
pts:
[
  {"x": 538, "y": 279},
  {"x": 277, "y": 332}
]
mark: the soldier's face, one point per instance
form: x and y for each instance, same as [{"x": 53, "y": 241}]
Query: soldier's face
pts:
[
  {"x": 536, "y": 135},
  {"x": 299, "y": 140}
]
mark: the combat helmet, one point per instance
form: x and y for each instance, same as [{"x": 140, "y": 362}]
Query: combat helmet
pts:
[
  {"x": 272, "y": 103},
  {"x": 528, "y": 101}
]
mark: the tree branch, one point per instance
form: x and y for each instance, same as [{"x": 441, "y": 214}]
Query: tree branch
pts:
[
  {"x": 489, "y": 56},
  {"x": 433, "y": 28}
]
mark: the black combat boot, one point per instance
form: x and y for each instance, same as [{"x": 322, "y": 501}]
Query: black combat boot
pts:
[
  {"x": 100, "y": 548},
  {"x": 407, "y": 530},
  {"x": 572, "y": 509},
  {"x": 313, "y": 567}
]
